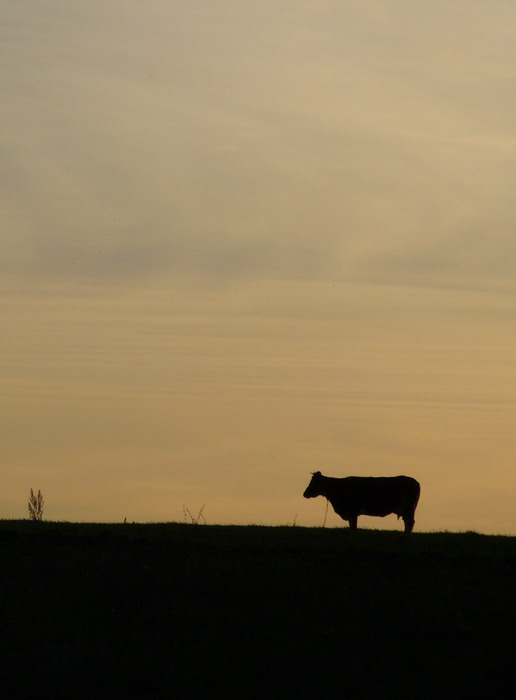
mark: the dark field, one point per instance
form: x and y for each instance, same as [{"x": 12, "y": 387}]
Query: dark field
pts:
[{"x": 196, "y": 611}]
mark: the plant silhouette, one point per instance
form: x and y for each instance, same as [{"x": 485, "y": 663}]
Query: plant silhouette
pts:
[{"x": 36, "y": 506}]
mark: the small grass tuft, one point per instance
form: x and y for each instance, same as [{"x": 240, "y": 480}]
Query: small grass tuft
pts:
[
  {"x": 35, "y": 506},
  {"x": 189, "y": 518}
]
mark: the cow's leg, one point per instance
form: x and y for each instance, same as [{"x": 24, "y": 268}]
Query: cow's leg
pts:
[
  {"x": 353, "y": 522},
  {"x": 409, "y": 522}
]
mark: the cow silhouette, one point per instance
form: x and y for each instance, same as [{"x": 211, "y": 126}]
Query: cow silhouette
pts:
[{"x": 379, "y": 496}]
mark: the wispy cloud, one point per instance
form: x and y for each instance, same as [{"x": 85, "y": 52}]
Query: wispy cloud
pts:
[{"x": 256, "y": 140}]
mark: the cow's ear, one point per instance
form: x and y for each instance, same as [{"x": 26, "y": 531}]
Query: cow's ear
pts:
[{"x": 316, "y": 473}]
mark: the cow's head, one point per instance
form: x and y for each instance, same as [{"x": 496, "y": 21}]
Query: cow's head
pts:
[{"x": 314, "y": 487}]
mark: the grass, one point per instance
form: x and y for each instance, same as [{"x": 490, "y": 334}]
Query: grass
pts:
[{"x": 186, "y": 611}]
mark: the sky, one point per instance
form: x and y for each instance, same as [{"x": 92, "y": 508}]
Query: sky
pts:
[{"x": 243, "y": 241}]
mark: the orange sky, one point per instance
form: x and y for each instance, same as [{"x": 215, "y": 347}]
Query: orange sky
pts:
[{"x": 244, "y": 241}]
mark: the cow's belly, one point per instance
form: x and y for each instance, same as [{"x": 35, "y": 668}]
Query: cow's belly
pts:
[{"x": 377, "y": 512}]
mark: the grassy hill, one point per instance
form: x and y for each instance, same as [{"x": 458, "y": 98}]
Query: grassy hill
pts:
[{"x": 198, "y": 611}]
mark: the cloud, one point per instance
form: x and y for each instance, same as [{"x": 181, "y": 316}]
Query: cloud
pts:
[{"x": 264, "y": 140}]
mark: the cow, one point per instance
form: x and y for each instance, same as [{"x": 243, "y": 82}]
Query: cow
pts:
[{"x": 368, "y": 495}]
